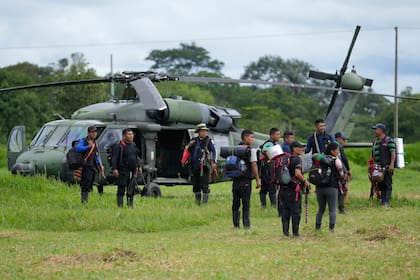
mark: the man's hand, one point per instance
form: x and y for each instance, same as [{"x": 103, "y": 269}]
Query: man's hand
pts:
[
  {"x": 90, "y": 142},
  {"x": 258, "y": 182},
  {"x": 101, "y": 168},
  {"x": 349, "y": 175},
  {"x": 116, "y": 173},
  {"x": 391, "y": 168}
]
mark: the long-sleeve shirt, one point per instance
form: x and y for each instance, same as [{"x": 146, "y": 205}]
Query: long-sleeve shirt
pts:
[
  {"x": 84, "y": 148},
  {"x": 323, "y": 140}
]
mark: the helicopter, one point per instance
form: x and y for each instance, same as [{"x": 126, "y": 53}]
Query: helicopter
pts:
[{"x": 162, "y": 127}]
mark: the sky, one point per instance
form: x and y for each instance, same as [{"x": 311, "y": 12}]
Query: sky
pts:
[{"x": 235, "y": 32}]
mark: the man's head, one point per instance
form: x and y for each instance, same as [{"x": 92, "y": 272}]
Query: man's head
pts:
[
  {"x": 202, "y": 130},
  {"x": 92, "y": 132},
  {"x": 379, "y": 129},
  {"x": 275, "y": 134},
  {"x": 288, "y": 136},
  {"x": 341, "y": 138},
  {"x": 320, "y": 126},
  {"x": 297, "y": 148},
  {"x": 128, "y": 135},
  {"x": 247, "y": 136}
]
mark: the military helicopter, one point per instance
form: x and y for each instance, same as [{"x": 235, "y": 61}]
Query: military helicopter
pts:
[{"x": 162, "y": 126}]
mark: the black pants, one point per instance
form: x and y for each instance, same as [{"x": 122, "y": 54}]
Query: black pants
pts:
[
  {"x": 386, "y": 188},
  {"x": 267, "y": 187},
  {"x": 290, "y": 207},
  {"x": 86, "y": 181},
  {"x": 123, "y": 181},
  {"x": 326, "y": 195},
  {"x": 241, "y": 191},
  {"x": 200, "y": 182}
]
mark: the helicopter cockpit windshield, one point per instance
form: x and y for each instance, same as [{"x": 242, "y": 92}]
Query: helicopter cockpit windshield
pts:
[
  {"x": 74, "y": 133},
  {"x": 42, "y": 136},
  {"x": 56, "y": 136}
]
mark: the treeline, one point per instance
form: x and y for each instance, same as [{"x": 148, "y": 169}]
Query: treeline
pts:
[{"x": 261, "y": 107}]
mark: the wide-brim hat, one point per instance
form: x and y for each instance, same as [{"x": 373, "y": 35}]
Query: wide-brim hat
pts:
[{"x": 201, "y": 126}]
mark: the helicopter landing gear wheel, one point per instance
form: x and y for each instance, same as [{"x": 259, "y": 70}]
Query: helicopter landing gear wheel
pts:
[{"x": 152, "y": 190}]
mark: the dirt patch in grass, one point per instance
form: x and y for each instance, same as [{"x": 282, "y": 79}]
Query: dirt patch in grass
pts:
[
  {"x": 69, "y": 260},
  {"x": 381, "y": 233},
  {"x": 120, "y": 255},
  {"x": 8, "y": 234}
]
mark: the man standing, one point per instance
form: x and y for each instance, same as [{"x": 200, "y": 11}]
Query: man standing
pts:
[
  {"x": 92, "y": 162},
  {"x": 241, "y": 187},
  {"x": 266, "y": 185},
  {"x": 290, "y": 195},
  {"x": 288, "y": 138},
  {"x": 319, "y": 140},
  {"x": 340, "y": 139},
  {"x": 203, "y": 160},
  {"x": 383, "y": 152},
  {"x": 125, "y": 166}
]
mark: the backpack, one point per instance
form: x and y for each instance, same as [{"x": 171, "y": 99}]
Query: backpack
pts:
[
  {"x": 279, "y": 170},
  {"x": 74, "y": 159},
  {"x": 235, "y": 167},
  {"x": 321, "y": 170},
  {"x": 262, "y": 162}
]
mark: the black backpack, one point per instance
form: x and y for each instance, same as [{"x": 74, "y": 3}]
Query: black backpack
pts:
[
  {"x": 74, "y": 159},
  {"x": 321, "y": 170},
  {"x": 279, "y": 170}
]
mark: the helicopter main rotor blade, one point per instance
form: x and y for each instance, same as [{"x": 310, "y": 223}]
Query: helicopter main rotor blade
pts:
[
  {"x": 346, "y": 60},
  {"x": 54, "y": 84},
  {"x": 148, "y": 94},
  {"x": 322, "y": 75},
  {"x": 281, "y": 84}
]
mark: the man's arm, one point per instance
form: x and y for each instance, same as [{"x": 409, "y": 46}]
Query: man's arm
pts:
[
  {"x": 82, "y": 146},
  {"x": 308, "y": 144},
  {"x": 254, "y": 167},
  {"x": 115, "y": 159}
]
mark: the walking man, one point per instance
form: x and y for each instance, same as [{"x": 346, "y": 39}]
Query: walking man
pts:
[
  {"x": 125, "y": 166},
  {"x": 92, "y": 162},
  {"x": 203, "y": 161},
  {"x": 241, "y": 186}
]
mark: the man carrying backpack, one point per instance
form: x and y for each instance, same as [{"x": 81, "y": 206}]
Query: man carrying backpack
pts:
[
  {"x": 241, "y": 186},
  {"x": 92, "y": 162},
  {"x": 125, "y": 166},
  {"x": 319, "y": 140},
  {"x": 290, "y": 197},
  {"x": 340, "y": 139},
  {"x": 383, "y": 152},
  {"x": 266, "y": 185},
  {"x": 203, "y": 160}
]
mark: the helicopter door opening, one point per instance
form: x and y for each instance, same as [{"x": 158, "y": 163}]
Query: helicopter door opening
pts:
[
  {"x": 15, "y": 144},
  {"x": 169, "y": 149}
]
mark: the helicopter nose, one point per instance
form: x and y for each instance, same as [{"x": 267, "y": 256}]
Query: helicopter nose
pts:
[{"x": 23, "y": 168}]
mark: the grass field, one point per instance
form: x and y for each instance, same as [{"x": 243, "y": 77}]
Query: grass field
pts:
[{"x": 46, "y": 233}]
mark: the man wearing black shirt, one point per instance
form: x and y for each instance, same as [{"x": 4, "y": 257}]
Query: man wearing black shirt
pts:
[
  {"x": 290, "y": 194},
  {"x": 125, "y": 164}
]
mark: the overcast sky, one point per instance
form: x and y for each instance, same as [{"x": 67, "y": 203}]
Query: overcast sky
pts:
[{"x": 235, "y": 32}]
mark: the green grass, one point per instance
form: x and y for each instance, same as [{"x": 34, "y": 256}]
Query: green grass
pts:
[{"x": 46, "y": 233}]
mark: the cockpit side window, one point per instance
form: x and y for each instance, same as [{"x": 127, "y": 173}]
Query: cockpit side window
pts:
[
  {"x": 74, "y": 133},
  {"x": 56, "y": 136},
  {"x": 109, "y": 137},
  {"x": 42, "y": 136}
]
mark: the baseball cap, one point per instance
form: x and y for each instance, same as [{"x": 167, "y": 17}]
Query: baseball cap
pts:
[
  {"x": 341, "y": 135},
  {"x": 379, "y": 125},
  {"x": 92, "y": 128}
]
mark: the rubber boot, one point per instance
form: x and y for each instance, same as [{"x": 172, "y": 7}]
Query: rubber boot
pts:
[
  {"x": 285, "y": 227},
  {"x": 317, "y": 226},
  {"x": 263, "y": 200},
  {"x": 273, "y": 200},
  {"x": 245, "y": 220},
  {"x": 85, "y": 197},
  {"x": 236, "y": 216},
  {"x": 198, "y": 198},
  {"x": 205, "y": 198},
  {"x": 130, "y": 201},
  {"x": 100, "y": 189},
  {"x": 295, "y": 228},
  {"x": 120, "y": 200},
  {"x": 332, "y": 227}
]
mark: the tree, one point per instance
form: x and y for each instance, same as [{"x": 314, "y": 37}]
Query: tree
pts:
[{"x": 186, "y": 60}]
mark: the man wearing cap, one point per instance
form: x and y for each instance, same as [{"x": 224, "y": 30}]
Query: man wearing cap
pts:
[
  {"x": 203, "y": 160},
  {"x": 266, "y": 186},
  {"x": 92, "y": 163},
  {"x": 319, "y": 140},
  {"x": 288, "y": 138},
  {"x": 340, "y": 139},
  {"x": 383, "y": 152},
  {"x": 290, "y": 197}
]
